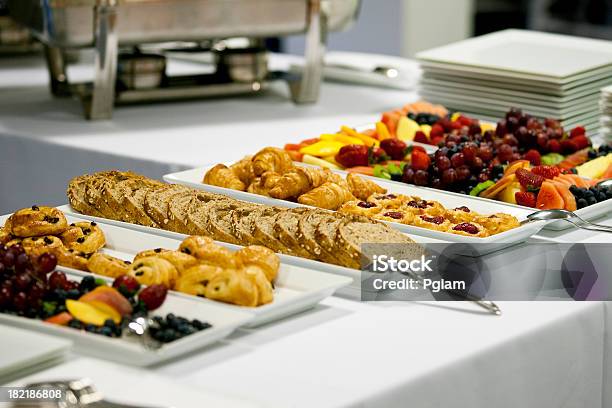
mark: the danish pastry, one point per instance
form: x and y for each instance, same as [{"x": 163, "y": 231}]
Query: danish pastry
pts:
[
  {"x": 497, "y": 223},
  {"x": 461, "y": 214},
  {"x": 5, "y": 235},
  {"x": 73, "y": 259},
  {"x": 367, "y": 208},
  {"x": 438, "y": 222},
  {"x": 206, "y": 250},
  {"x": 404, "y": 217},
  {"x": 153, "y": 270},
  {"x": 265, "y": 291},
  {"x": 194, "y": 280},
  {"x": 262, "y": 257},
  {"x": 106, "y": 265},
  {"x": 180, "y": 260},
  {"x": 37, "y": 221},
  {"x": 84, "y": 236},
  {"x": 470, "y": 229},
  {"x": 232, "y": 286},
  {"x": 388, "y": 200},
  {"x": 36, "y": 246}
]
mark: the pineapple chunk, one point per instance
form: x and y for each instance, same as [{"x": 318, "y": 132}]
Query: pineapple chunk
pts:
[{"x": 595, "y": 168}]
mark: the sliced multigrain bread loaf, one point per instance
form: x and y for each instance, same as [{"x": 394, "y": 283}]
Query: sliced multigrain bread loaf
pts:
[
  {"x": 243, "y": 223},
  {"x": 325, "y": 234},
  {"x": 119, "y": 197},
  {"x": 177, "y": 211},
  {"x": 286, "y": 231},
  {"x": 264, "y": 232},
  {"x": 354, "y": 232},
  {"x": 77, "y": 198},
  {"x": 134, "y": 204},
  {"x": 94, "y": 192},
  {"x": 198, "y": 217},
  {"x": 307, "y": 226},
  {"x": 156, "y": 202}
]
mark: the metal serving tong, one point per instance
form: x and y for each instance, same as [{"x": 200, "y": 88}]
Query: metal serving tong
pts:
[
  {"x": 75, "y": 394},
  {"x": 569, "y": 216}
]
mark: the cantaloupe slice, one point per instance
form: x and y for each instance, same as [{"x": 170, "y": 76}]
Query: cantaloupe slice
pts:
[
  {"x": 568, "y": 198},
  {"x": 564, "y": 180},
  {"x": 549, "y": 198},
  {"x": 608, "y": 173},
  {"x": 578, "y": 181}
]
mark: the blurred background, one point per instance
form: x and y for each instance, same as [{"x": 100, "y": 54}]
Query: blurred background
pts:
[{"x": 404, "y": 27}]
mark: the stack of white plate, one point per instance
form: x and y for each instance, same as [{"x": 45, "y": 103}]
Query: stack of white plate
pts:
[
  {"x": 547, "y": 75},
  {"x": 605, "y": 105}
]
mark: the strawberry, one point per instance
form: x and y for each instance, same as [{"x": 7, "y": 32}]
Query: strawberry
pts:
[
  {"x": 420, "y": 160},
  {"x": 420, "y": 137},
  {"x": 569, "y": 146},
  {"x": 548, "y": 172},
  {"x": 528, "y": 179},
  {"x": 418, "y": 148},
  {"x": 436, "y": 130},
  {"x": 554, "y": 146},
  {"x": 526, "y": 198},
  {"x": 435, "y": 140},
  {"x": 534, "y": 157},
  {"x": 577, "y": 131},
  {"x": 465, "y": 121},
  {"x": 581, "y": 141}
]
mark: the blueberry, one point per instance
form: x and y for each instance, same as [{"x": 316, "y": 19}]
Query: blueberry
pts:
[
  {"x": 73, "y": 294},
  {"x": 575, "y": 191},
  {"x": 581, "y": 203},
  {"x": 75, "y": 324},
  {"x": 110, "y": 323},
  {"x": 87, "y": 283},
  {"x": 591, "y": 200},
  {"x": 592, "y": 154},
  {"x": 601, "y": 196},
  {"x": 200, "y": 325},
  {"x": 60, "y": 294},
  {"x": 91, "y": 328},
  {"x": 106, "y": 331}
]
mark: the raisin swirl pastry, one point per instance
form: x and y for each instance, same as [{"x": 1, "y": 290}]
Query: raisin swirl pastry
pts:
[
  {"x": 5, "y": 236},
  {"x": 37, "y": 221},
  {"x": 180, "y": 260},
  {"x": 154, "y": 270},
  {"x": 84, "y": 236},
  {"x": 74, "y": 259},
  {"x": 106, "y": 265},
  {"x": 36, "y": 246}
]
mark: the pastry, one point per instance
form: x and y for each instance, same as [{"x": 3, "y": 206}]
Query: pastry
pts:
[
  {"x": 232, "y": 286},
  {"x": 222, "y": 176},
  {"x": 107, "y": 265},
  {"x": 265, "y": 291},
  {"x": 37, "y": 221},
  {"x": 5, "y": 235},
  {"x": 36, "y": 246},
  {"x": 243, "y": 169},
  {"x": 262, "y": 185},
  {"x": 389, "y": 201},
  {"x": 299, "y": 181},
  {"x": 461, "y": 214},
  {"x": 180, "y": 260},
  {"x": 469, "y": 229},
  {"x": 363, "y": 188},
  {"x": 83, "y": 236},
  {"x": 329, "y": 196},
  {"x": 207, "y": 251},
  {"x": 194, "y": 280},
  {"x": 403, "y": 217},
  {"x": 262, "y": 257},
  {"x": 271, "y": 159},
  {"x": 434, "y": 222},
  {"x": 497, "y": 223},
  {"x": 153, "y": 270},
  {"x": 73, "y": 259},
  {"x": 366, "y": 208}
]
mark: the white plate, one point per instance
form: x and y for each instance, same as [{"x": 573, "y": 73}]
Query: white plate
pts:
[
  {"x": 23, "y": 351},
  {"x": 193, "y": 177},
  {"x": 523, "y": 53},
  {"x": 129, "y": 351},
  {"x": 296, "y": 288}
]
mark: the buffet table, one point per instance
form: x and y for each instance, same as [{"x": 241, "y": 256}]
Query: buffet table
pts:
[{"x": 342, "y": 353}]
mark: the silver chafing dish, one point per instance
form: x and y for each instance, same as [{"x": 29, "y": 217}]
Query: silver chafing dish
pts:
[{"x": 110, "y": 25}]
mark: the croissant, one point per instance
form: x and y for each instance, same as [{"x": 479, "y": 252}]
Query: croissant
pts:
[
  {"x": 222, "y": 176},
  {"x": 363, "y": 188},
  {"x": 194, "y": 280},
  {"x": 265, "y": 291},
  {"x": 208, "y": 251},
  {"x": 337, "y": 179},
  {"x": 243, "y": 169},
  {"x": 329, "y": 196},
  {"x": 271, "y": 159},
  {"x": 299, "y": 181},
  {"x": 262, "y": 185},
  {"x": 261, "y": 257}
]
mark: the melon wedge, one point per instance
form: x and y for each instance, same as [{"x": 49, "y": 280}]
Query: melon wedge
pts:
[
  {"x": 568, "y": 198},
  {"x": 496, "y": 188},
  {"x": 514, "y": 166},
  {"x": 564, "y": 180},
  {"x": 549, "y": 198}
]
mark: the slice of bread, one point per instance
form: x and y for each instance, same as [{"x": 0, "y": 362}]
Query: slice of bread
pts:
[
  {"x": 264, "y": 232},
  {"x": 76, "y": 196},
  {"x": 307, "y": 226},
  {"x": 354, "y": 232},
  {"x": 325, "y": 235},
  {"x": 243, "y": 223},
  {"x": 134, "y": 204},
  {"x": 178, "y": 206},
  {"x": 156, "y": 202},
  {"x": 219, "y": 219},
  {"x": 286, "y": 231}
]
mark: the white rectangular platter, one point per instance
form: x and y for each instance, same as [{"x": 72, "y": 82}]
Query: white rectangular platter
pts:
[
  {"x": 193, "y": 178},
  {"x": 296, "y": 288},
  {"x": 128, "y": 350}
]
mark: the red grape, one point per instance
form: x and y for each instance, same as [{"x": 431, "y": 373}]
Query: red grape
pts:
[
  {"x": 437, "y": 183},
  {"x": 20, "y": 301},
  {"x": 504, "y": 153},
  {"x": 463, "y": 173},
  {"x": 510, "y": 140},
  {"x": 421, "y": 178},
  {"x": 501, "y": 128},
  {"x": 542, "y": 140},
  {"x": 408, "y": 176},
  {"x": 512, "y": 124},
  {"x": 469, "y": 152},
  {"x": 70, "y": 285},
  {"x": 485, "y": 153},
  {"x": 457, "y": 160},
  {"x": 2, "y": 268},
  {"x": 9, "y": 259},
  {"x": 6, "y": 296},
  {"x": 126, "y": 284},
  {"x": 22, "y": 281},
  {"x": 443, "y": 162},
  {"x": 57, "y": 280},
  {"x": 46, "y": 263},
  {"x": 482, "y": 177},
  {"x": 477, "y": 163},
  {"x": 22, "y": 262},
  {"x": 153, "y": 296},
  {"x": 449, "y": 176}
]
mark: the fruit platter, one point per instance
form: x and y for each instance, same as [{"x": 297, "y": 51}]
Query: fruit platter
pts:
[
  {"x": 249, "y": 279},
  {"x": 425, "y": 145},
  {"x": 104, "y": 316}
]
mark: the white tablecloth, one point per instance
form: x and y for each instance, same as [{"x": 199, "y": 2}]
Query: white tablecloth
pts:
[{"x": 343, "y": 353}]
